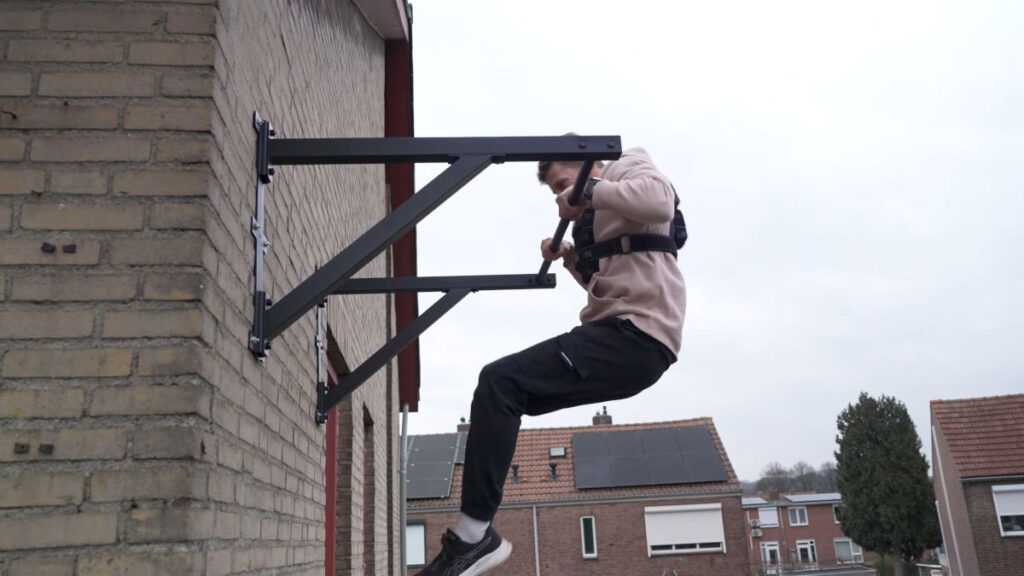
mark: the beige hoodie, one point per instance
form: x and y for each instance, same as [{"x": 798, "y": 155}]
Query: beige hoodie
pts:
[{"x": 646, "y": 288}]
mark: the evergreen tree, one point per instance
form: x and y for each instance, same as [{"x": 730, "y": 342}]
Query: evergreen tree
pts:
[{"x": 888, "y": 501}]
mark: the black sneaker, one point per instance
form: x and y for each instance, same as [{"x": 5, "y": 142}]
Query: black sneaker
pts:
[{"x": 460, "y": 559}]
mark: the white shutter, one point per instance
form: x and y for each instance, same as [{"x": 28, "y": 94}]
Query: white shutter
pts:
[
  {"x": 1009, "y": 499},
  {"x": 415, "y": 544},
  {"x": 687, "y": 524},
  {"x": 768, "y": 516}
]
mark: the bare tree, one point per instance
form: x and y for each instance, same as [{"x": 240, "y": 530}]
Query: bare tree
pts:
[
  {"x": 804, "y": 477},
  {"x": 827, "y": 477},
  {"x": 775, "y": 479}
]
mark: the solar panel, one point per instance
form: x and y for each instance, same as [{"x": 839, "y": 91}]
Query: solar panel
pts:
[
  {"x": 460, "y": 448},
  {"x": 646, "y": 458},
  {"x": 431, "y": 466}
]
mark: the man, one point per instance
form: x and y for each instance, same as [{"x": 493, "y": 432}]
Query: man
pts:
[{"x": 630, "y": 334}]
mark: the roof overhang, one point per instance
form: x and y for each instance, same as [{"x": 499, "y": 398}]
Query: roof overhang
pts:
[{"x": 389, "y": 17}]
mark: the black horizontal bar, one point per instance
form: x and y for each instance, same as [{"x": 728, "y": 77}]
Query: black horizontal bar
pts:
[
  {"x": 285, "y": 151},
  {"x": 392, "y": 348},
  {"x": 445, "y": 283},
  {"x": 365, "y": 248}
]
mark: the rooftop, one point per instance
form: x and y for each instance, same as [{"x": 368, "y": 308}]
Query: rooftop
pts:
[{"x": 985, "y": 435}]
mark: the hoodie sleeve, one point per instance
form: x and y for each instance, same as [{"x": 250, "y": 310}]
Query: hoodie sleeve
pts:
[{"x": 637, "y": 190}]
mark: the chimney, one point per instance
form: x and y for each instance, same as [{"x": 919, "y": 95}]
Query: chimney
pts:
[
  {"x": 603, "y": 419},
  {"x": 463, "y": 425}
]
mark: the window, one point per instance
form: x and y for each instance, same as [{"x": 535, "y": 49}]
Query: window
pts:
[
  {"x": 588, "y": 532},
  {"x": 686, "y": 529},
  {"x": 798, "y": 516},
  {"x": 416, "y": 543},
  {"x": 836, "y": 512},
  {"x": 770, "y": 553},
  {"x": 805, "y": 552},
  {"x": 1009, "y": 501},
  {"x": 768, "y": 516},
  {"x": 847, "y": 551}
]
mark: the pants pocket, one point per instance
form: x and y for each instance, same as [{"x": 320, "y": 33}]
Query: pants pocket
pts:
[{"x": 570, "y": 355}]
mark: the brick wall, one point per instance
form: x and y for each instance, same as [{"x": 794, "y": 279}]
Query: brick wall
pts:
[
  {"x": 821, "y": 528},
  {"x": 997, "y": 554},
  {"x": 621, "y": 540},
  {"x": 137, "y": 434}
]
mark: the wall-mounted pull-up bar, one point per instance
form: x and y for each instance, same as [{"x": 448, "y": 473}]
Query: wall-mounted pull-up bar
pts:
[{"x": 467, "y": 158}]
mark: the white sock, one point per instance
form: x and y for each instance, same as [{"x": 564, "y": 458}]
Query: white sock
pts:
[{"x": 470, "y": 530}]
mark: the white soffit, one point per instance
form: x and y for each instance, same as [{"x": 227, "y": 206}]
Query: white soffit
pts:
[{"x": 388, "y": 17}]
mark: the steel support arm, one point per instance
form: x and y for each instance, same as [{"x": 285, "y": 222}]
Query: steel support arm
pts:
[
  {"x": 399, "y": 150},
  {"x": 445, "y": 283},
  {"x": 381, "y": 357}
]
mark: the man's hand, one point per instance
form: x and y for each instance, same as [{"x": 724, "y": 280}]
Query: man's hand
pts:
[
  {"x": 565, "y": 251},
  {"x": 565, "y": 210}
]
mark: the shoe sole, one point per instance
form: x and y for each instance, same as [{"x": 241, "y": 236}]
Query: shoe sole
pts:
[{"x": 491, "y": 561}]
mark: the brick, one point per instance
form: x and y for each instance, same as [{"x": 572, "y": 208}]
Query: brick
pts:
[
  {"x": 107, "y": 149},
  {"x": 36, "y": 566},
  {"x": 93, "y": 20},
  {"x": 151, "y": 483},
  {"x": 6, "y": 217},
  {"x": 86, "y": 363},
  {"x": 185, "y": 118},
  {"x": 148, "y": 564},
  {"x": 78, "y": 182},
  {"x": 162, "y": 182},
  {"x": 80, "y": 287},
  {"x": 11, "y": 148},
  {"x": 15, "y": 83},
  {"x": 68, "y": 444},
  {"x": 45, "y": 323},
  {"x": 187, "y": 85},
  {"x": 52, "y": 531},
  {"x": 3, "y": 287},
  {"x": 64, "y": 216},
  {"x": 152, "y": 323},
  {"x": 192, "y": 22},
  {"x": 20, "y": 19},
  {"x": 171, "y": 53},
  {"x": 184, "y": 150},
  {"x": 173, "y": 287},
  {"x": 53, "y": 50},
  {"x": 161, "y": 251},
  {"x": 84, "y": 117},
  {"x": 95, "y": 84},
  {"x": 177, "y": 216},
  {"x": 218, "y": 562},
  {"x": 168, "y": 443},
  {"x": 227, "y": 525},
  {"x": 168, "y": 361},
  {"x": 28, "y": 489},
  {"x": 145, "y": 400},
  {"x": 53, "y": 403},
  {"x": 169, "y": 525},
  {"x": 29, "y": 251},
  {"x": 21, "y": 181}
]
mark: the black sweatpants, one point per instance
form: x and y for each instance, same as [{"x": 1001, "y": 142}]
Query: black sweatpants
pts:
[{"x": 603, "y": 360}]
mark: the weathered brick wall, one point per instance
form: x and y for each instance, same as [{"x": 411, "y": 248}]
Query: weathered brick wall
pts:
[
  {"x": 997, "y": 554},
  {"x": 137, "y": 434},
  {"x": 621, "y": 540}
]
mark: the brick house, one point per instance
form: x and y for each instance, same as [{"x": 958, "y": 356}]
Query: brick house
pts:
[
  {"x": 636, "y": 527},
  {"x": 978, "y": 456},
  {"x": 138, "y": 435},
  {"x": 798, "y": 532}
]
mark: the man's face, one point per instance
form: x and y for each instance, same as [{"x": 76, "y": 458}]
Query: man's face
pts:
[{"x": 561, "y": 176}]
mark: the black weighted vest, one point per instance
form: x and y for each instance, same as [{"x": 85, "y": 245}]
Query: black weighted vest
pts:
[{"x": 589, "y": 253}]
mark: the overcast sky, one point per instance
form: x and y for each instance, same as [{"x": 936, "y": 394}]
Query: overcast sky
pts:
[{"x": 851, "y": 175}]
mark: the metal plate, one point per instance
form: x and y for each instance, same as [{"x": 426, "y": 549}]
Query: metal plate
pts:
[{"x": 431, "y": 466}]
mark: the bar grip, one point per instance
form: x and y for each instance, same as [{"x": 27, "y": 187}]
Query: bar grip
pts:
[{"x": 563, "y": 224}]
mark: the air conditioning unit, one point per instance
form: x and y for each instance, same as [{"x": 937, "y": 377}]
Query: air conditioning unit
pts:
[
  {"x": 756, "y": 533},
  {"x": 755, "y": 523}
]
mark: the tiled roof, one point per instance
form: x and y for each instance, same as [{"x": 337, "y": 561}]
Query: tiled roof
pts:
[
  {"x": 985, "y": 435},
  {"x": 535, "y": 485}
]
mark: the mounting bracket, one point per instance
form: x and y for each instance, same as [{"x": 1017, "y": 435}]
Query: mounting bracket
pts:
[{"x": 466, "y": 157}]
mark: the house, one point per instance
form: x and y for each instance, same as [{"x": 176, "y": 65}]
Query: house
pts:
[
  {"x": 138, "y": 434},
  {"x": 654, "y": 498},
  {"x": 978, "y": 457},
  {"x": 798, "y": 532}
]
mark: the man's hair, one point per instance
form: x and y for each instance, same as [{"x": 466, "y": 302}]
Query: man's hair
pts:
[{"x": 544, "y": 166}]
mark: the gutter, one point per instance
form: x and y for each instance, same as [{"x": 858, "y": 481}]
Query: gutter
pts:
[{"x": 607, "y": 500}]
